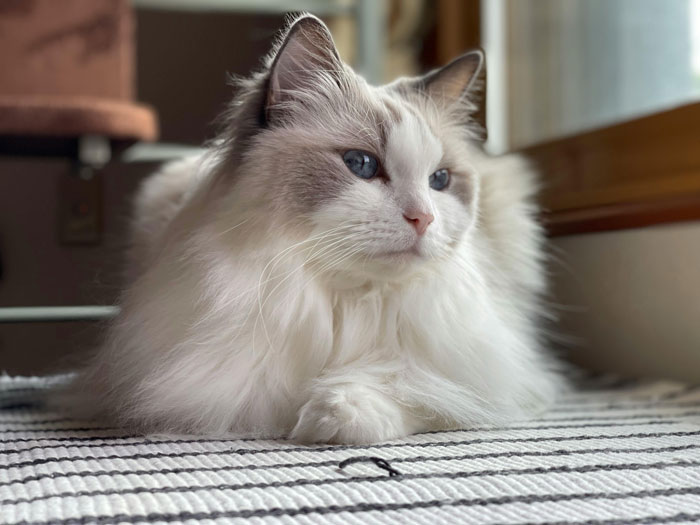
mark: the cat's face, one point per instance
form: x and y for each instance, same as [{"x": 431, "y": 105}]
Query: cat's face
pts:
[
  {"x": 381, "y": 175},
  {"x": 401, "y": 190}
]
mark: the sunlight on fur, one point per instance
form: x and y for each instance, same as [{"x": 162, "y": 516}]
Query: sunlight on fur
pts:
[{"x": 344, "y": 264}]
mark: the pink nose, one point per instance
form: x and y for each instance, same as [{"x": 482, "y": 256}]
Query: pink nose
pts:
[{"x": 420, "y": 220}]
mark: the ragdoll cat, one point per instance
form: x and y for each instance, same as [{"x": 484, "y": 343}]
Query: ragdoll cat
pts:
[{"x": 342, "y": 265}]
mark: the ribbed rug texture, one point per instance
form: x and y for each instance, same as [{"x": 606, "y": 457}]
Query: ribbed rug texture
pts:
[{"x": 608, "y": 453}]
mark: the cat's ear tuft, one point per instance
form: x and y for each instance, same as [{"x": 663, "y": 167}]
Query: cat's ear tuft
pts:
[
  {"x": 454, "y": 81},
  {"x": 306, "y": 51}
]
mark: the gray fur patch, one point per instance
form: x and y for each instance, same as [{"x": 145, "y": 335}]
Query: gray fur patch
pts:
[{"x": 462, "y": 187}]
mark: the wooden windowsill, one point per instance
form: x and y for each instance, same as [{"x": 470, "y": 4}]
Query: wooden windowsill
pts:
[
  {"x": 632, "y": 174},
  {"x": 622, "y": 216}
]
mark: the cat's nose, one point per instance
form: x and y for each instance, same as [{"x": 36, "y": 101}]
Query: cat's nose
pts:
[{"x": 419, "y": 220}]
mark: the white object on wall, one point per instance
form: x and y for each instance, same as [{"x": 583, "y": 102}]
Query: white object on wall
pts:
[{"x": 558, "y": 67}]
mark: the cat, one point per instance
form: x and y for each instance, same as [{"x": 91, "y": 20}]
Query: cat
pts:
[{"x": 343, "y": 264}]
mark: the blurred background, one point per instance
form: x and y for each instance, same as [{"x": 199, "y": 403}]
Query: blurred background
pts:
[{"x": 600, "y": 94}]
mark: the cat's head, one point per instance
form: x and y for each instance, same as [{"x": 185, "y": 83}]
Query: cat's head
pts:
[{"x": 377, "y": 176}]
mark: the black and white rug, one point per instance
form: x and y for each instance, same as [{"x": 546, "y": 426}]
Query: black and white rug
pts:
[{"x": 617, "y": 453}]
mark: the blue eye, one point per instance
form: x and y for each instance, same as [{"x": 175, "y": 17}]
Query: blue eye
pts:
[
  {"x": 361, "y": 164},
  {"x": 440, "y": 179}
]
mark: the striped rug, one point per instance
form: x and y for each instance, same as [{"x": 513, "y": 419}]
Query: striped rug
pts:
[{"x": 609, "y": 454}]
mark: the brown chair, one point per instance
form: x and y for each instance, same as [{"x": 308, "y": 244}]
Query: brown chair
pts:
[
  {"x": 68, "y": 73},
  {"x": 67, "y": 90}
]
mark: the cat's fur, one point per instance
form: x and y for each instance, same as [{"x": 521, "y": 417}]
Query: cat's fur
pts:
[{"x": 275, "y": 293}]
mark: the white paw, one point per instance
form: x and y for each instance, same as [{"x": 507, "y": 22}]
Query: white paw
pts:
[{"x": 349, "y": 414}]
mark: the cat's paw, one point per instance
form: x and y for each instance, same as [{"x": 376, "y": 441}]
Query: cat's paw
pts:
[{"x": 349, "y": 414}]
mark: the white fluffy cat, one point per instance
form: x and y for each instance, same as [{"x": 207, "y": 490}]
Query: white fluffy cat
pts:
[{"x": 342, "y": 265}]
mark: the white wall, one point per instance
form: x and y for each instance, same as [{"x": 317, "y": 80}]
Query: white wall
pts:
[{"x": 632, "y": 298}]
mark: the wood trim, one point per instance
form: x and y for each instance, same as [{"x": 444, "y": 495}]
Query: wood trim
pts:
[
  {"x": 627, "y": 175},
  {"x": 458, "y": 28},
  {"x": 622, "y": 216}
]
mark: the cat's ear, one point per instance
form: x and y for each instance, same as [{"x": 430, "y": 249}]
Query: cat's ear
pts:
[
  {"x": 306, "y": 52},
  {"x": 453, "y": 82}
]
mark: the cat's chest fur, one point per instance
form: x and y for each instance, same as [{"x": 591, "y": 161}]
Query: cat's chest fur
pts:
[{"x": 424, "y": 325}]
